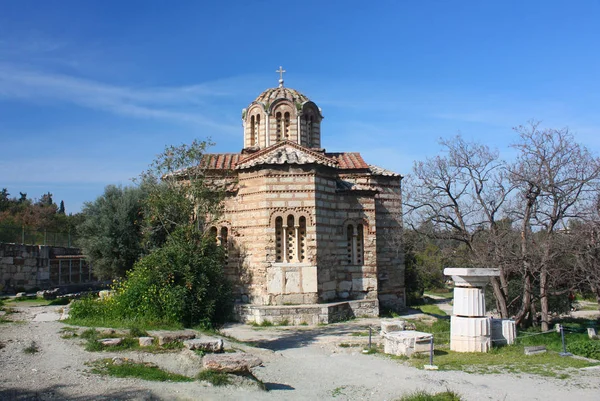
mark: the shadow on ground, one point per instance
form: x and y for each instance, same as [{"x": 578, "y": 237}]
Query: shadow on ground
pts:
[{"x": 58, "y": 393}]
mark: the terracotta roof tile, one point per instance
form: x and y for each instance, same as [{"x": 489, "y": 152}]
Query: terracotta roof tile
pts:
[
  {"x": 220, "y": 161},
  {"x": 349, "y": 160}
]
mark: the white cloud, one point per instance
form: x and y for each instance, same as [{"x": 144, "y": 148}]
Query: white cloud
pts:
[{"x": 179, "y": 104}]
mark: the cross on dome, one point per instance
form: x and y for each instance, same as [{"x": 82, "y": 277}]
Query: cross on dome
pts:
[{"x": 280, "y": 71}]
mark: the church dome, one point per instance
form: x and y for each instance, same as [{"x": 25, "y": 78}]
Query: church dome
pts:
[
  {"x": 272, "y": 94},
  {"x": 281, "y": 114}
]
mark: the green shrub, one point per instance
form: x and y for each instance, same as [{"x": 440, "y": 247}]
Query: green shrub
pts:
[
  {"x": 586, "y": 348},
  {"x": 180, "y": 283},
  {"x": 425, "y": 396},
  {"x": 215, "y": 378}
]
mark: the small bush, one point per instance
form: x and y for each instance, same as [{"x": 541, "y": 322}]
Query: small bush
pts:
[
  {"x": 215, "y": 378},
  {"x": 588, "y": 349},
  {"x": 425, "y": 396},
  {"x": 138, "y": 370},
  {"x": 32, "y": 348}
]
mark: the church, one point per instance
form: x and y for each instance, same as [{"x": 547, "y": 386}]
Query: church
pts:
[{"x": 312, "y": 236}]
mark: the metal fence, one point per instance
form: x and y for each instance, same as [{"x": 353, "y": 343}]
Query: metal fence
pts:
[{"x": 30, "y": 236}]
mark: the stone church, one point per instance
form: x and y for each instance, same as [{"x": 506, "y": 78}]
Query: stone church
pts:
[{"x": 312, "y": 236}]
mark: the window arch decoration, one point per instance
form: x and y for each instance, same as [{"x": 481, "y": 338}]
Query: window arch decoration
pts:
[
  {"x": 221, "y": 233},
  {"x": 290, "y": 235},
  {"x": 354, "y": 233}
]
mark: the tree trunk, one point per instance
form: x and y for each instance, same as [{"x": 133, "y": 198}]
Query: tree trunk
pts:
[
  {"x": 500, "y": 298},
  {"x": 544, "y": 298},
  {"x": 525, "y": 310}
]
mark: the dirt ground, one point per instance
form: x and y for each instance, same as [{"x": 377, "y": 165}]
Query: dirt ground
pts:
[{"x": 300, "y": 363}]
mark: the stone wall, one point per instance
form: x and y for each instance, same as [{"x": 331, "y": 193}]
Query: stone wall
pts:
[{"x": 39, "y": 266}]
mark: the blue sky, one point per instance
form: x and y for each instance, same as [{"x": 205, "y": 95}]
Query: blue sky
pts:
[{"x": 90, "y": 91}]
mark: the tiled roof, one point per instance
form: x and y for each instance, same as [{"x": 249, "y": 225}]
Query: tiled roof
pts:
[
  {"x": 272, "y": 94},
  {"x": 349, "y": 161},
  {"x": 286, "y": 152},
  {"x": 381, "y": 171},
  {"x": 220, "y": 161},
  {"x": 290, "y": 153}
]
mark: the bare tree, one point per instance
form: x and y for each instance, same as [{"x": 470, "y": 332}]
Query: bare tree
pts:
[
  {"x": 556, "y": 178},
  {"x": 462, "y": 195},
  {"x": 586, "y": 241}
]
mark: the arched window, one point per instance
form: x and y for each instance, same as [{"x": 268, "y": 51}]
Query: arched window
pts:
[
  {"x": 302, "y": 239},
  {"x": 286, "y": 125},
  {"x": 224, "y": 242},
  {"x": 279, "y": 239},
  {"x": 355, "y": 244},
  {"x": 252, "y": 132},
  {"x": 256, "y": 131},
  {"x": 290, "y": 239},
  {"x": 213, "y": 233},
  {"x": 279, "y": 127},
  {"x": 309, "y": 130}
]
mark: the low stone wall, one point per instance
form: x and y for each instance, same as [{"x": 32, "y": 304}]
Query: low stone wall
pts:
[
  {"x": 23, "y": 267},
  {"x": 296, "y": 315}
]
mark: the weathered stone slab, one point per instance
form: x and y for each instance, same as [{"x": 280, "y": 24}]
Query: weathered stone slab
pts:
[
  {"x": 592, "y": 333},
  {"x": 231, "y": 363},
  {"x": 390, "y": 326},
  {"x": 205, "y": 344},
  {"x": 145, "y": 341},
  {"x": 538, "y": 349},
  {"x": 110, "y": 342},
  {"x": 406, "y": 343},
  {"x": 166, "y": 337}
]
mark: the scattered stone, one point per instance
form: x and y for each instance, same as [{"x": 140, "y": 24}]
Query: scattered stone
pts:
[
  {"x": 430, "y": 367},
  {"x": 390, "y": 326},
  {"x": 410, "y": 326},
  {"x": 65, "y": 313},
  {"x": 49, "y": 294},
  {"x": 205, "y": 344},
  {"x": 406, "y": 343},
  {"x": 110, "y": 342},
  {"x": 20, "y": 295},
  {"x": 592, "y": 333},
  {"x": 146, "y": 341},
  {"x": 538, "y": 349},
  {"x": 104, "y": 294},
  {"x": 166, "y": 337},
  {"x": 118, "y": 361},
  {"x": 231, "y": 363}
]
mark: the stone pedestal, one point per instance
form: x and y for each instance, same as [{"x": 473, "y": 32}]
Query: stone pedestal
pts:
[
  {"x": 470, "y": 329},
  {"x": 406, "y": 342},
  {"x": 504, "y": 331}
]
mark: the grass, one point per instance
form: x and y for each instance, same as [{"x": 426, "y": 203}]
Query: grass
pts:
[
  {"x": 137, "y": 370},
  {"x": 213, "y": 377},
  {"x": 122, "y": 323},
  {"x": 431, "y": 309},
  {"x": 32, "y": 348},
  {"x": 448, "y": 294},
  {"x": 508, "y": 359},
  {"x": 130, "y": 342},
  {"x": 425, "y": 396}
]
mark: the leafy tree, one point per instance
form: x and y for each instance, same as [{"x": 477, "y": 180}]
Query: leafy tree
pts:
[
  {"x": 179, "y": 194},
  {"x": 4, "y": 200},
  {"x": 111, "y": 233}
]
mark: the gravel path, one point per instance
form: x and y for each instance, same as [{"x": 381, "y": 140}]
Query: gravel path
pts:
[{"x": 302, "y": 363}]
